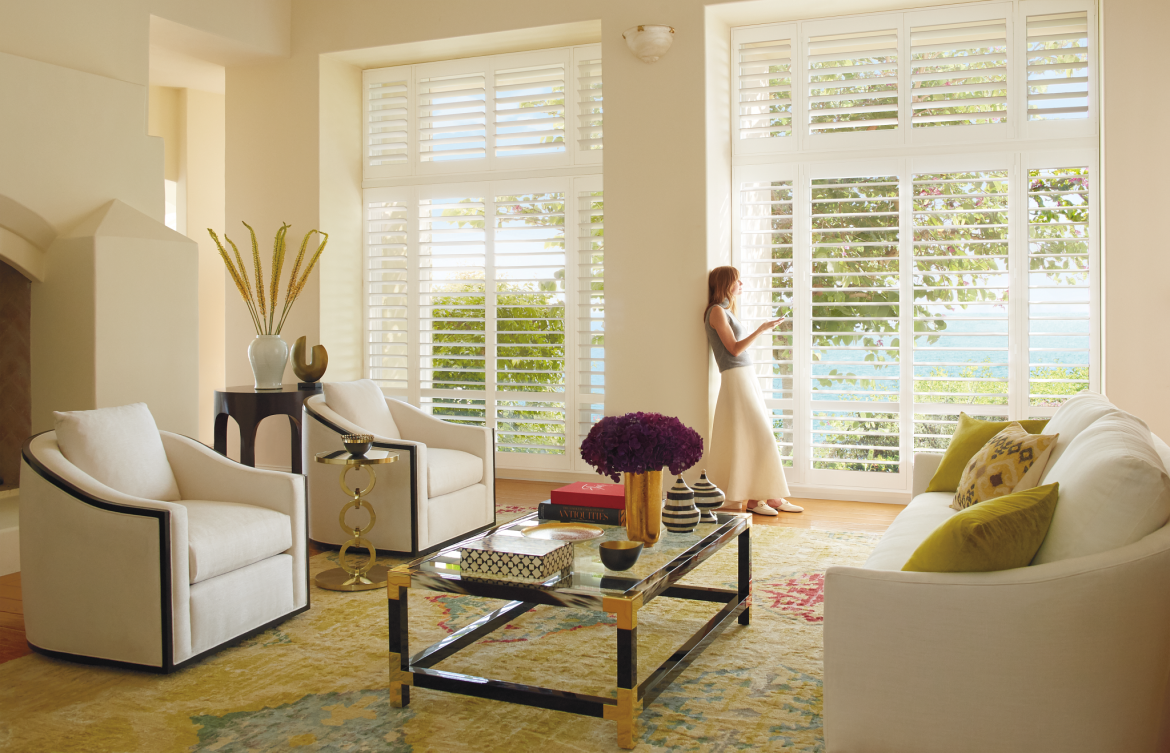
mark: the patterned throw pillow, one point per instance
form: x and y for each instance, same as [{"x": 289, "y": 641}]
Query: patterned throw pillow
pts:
[{"x": 1000, "y": 467}]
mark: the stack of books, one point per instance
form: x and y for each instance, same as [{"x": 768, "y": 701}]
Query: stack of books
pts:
[{"x": 586, "y": 502}]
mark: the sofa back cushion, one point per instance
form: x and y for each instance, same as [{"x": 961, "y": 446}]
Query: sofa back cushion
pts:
[
  {"x": 362, "y": 403},
  {"x": 1114, "y": 489},
  {"x": 119, "y": 447},
  {"x": 1074, "y": 416}
]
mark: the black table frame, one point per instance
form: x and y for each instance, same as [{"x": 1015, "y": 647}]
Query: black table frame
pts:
[
  {"x": 249, "y": 406},
  {"x": 632, "y": 697}
]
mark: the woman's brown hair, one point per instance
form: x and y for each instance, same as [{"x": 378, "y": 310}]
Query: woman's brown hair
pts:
[{"x": 721, "y": 286}]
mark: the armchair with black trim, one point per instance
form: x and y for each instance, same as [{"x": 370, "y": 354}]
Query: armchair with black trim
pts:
[
  {"x": 441, "y": 490},
  {"x": 146, "y": 549}
]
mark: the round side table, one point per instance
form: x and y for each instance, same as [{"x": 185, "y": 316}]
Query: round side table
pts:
[{"x": 370, "y": 575}]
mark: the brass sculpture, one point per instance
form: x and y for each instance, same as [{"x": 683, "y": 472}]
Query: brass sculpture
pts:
[{"x": 315, "y": 369}]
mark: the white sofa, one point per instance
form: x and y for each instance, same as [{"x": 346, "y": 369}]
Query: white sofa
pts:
[
  {"x": 109, "y": 577},
  {"x": 1069, "y": 655},
  {"x": 441, "y": 490}
]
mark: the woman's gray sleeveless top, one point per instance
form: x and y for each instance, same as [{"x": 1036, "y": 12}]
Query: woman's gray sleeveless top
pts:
[{"x": 724, "y": 359}]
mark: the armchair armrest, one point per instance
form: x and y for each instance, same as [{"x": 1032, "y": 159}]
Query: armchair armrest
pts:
[
  {"x": 435, "y": 432},
  {"x": 202, "y": 473},
  {"x": 910, "y": 657},
  {"x": 925, "y": 465}
]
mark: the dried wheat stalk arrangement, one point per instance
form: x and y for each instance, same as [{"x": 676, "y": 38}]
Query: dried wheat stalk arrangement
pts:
[{"x": 262, "y": 307}]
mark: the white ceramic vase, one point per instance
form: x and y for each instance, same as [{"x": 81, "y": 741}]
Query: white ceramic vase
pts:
[{"x": 268, "y": 355}]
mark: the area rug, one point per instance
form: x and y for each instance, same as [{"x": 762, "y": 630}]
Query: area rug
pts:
[{"x": 318, "y": 681}]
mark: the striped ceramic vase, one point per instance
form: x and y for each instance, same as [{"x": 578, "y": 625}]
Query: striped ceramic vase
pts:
[
  {"x": 708, "y": 498},
  {"x": 680, "y": 514}
]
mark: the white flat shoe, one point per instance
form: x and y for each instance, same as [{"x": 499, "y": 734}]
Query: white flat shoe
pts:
[
  {"x": 762, "y": 509},
  {"x": 786, "y": 506}
]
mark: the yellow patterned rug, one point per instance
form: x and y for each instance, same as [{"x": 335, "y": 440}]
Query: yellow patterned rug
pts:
[{"x": 318, "y": 681}]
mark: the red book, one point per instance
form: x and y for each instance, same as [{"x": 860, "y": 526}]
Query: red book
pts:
[{"x": 588, "y": 494}]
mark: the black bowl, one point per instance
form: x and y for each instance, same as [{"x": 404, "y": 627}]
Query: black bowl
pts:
[
  {"x": 620, "y": 555},
  {"x": 357, "y": 444}
]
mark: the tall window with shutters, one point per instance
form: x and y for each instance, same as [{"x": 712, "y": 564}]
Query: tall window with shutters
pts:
[{"x": 920, "y": 282}]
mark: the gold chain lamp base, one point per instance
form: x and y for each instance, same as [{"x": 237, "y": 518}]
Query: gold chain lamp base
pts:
[{"x": 369, "y": 575}]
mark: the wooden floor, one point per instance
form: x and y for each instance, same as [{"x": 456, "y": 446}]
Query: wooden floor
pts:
[{"x": 822, "y": 514}]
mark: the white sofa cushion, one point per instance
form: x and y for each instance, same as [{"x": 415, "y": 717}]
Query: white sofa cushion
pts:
[
  {"x": 451, "y": 470},
  {"x": 120, "y": 447},
  {"x": 1113, "y": 490},
  {"x": 225, "y": 536},
  {"x": 362, "y": 403},
  {"x": 925, "y": 513},
  {"x": 1073, "y": 417}
]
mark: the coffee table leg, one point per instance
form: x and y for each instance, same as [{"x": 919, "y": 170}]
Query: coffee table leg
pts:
[
  {"x": 400, "y": 676},
  {"x": 625, "y": 713},
  {"x": 745, "y": 575}
]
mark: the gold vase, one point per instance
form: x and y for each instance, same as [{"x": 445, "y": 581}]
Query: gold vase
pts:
[{"x": 644, "y": 507}]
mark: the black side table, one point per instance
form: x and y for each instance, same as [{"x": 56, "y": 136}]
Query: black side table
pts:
[{"x": 249, "y": 406}]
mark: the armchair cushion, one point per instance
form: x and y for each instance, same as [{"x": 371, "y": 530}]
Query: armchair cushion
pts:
[
  {"x": 362, "y": 403},
  {"x": 225, "y": 536},
  {"x": 451, "y": 470},
  {"x": 119, "y": 447},
  {"x": 924, "y": 514}
]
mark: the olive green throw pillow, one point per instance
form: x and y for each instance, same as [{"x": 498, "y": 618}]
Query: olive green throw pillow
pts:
[
  {"x": 999, "y": 534},
  {"x": 969, "y": 437}
]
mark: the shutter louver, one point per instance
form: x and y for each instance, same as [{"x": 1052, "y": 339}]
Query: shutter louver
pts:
[
  {"x": 590, "y": 105},
  {"x": 1058, "y": 66},
  {"x": 853, "y": 82},
  {"x": 591, "y": 306},
  {"x": 529, "y": 111},
  {"x": 1059, "y": 295},
  {"x": 452, "y": 308},
  {"x": 386, "y": 285},
  {"x": 958, "y": 73},
  {"x": 855, "y": 323},
  {"x": 529, "y": 302},
  {"x": 452, "y": 117},
  {"x": 765, "y": 89},
  {"x": 961, "y": 283},
  {"x": 386, "y": 121}
]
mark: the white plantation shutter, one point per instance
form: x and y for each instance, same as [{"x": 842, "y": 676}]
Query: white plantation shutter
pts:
[
  {"x": 529, "y": 110},
  {"x": 387, "y": 229},
  {"x": 387, "y": 109},
  {"x": 959, "y": 73},
  {"x": 1059, "y": 286},
  {"x": 852, "y": 81},
  {"x": 452, "y": 114},
  {"x": 452, "y": 307},
  {"x": 767, "y": 265},
  {"x": 765, "y": 89},
  {"x": 591, "y": 308},
  {"x": 1058, "y": 66},
  {"x": 961, "y": 286},
  {"x": 590, "y": 99},
  {"x": 529, "y": 300},
  {"x": 855, "y": 384}
]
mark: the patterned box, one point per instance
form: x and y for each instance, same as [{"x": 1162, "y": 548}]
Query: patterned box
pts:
[{"x": 517, "y": 558}]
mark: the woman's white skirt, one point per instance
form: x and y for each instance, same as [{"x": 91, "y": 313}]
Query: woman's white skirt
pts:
[{"x": 743, "y": 459}]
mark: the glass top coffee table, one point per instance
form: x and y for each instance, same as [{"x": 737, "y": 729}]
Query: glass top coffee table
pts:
[{"x": 587, "y": 585}]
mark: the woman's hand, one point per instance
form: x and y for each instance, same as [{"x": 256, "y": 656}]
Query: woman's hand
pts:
[{"x": 767, "y": 326}]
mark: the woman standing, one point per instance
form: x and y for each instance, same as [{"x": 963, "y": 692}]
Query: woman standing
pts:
[{"x": 743, "y": 457}]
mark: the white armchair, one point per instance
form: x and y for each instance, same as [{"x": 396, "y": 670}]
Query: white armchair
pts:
[
  {"x": 110, "y": 577},
  {"x": 442, "y": 488}
]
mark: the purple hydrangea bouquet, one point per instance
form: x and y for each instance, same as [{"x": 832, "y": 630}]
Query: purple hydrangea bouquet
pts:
[{"x": 639, "y": 443}]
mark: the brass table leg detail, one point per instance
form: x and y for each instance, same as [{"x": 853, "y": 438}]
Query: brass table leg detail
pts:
[{"x": 370, "y": 575}]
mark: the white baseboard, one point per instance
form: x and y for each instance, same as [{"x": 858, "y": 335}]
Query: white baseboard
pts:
[
  {"x": 9, "y": 551},
  {"x": 566, "y": 477},
  {"x": 850, "y": 495}
]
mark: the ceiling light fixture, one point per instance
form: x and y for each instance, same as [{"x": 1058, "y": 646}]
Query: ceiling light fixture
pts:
[{"x": 649, "y": 42}]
